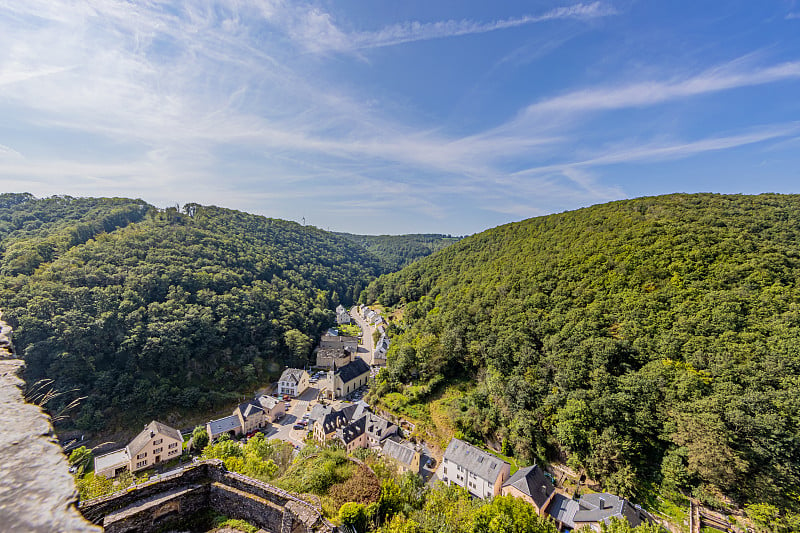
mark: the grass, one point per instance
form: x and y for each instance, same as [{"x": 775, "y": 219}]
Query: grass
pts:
[
  {"x": 349, "y": 330},
  {"x": 508, "y": 459},
  {"x": 432, "y": 415},
  {"x": 672, "y": 506}
]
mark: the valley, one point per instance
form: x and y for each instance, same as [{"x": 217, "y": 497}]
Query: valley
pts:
[{"x": 645, "y": 349}]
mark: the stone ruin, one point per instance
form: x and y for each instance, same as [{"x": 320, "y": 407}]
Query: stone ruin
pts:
[{"x": 167, "y": 502}]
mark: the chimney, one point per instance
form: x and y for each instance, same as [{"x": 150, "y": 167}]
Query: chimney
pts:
[{"x": 602, "y": 503}]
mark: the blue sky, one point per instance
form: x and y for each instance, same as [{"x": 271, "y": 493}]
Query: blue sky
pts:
[{"x": 398, "y": 116}]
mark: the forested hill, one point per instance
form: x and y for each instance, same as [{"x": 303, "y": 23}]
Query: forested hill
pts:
[
  {"x": 148, "y": 312},
  {"x": 655, "y": 339},
  {"x": 397, "y": 251}
]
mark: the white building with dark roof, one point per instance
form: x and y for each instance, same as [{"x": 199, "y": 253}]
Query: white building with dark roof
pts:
[
  {"x": 293, "y": 381},
  {"x": 342, "y": 316},
  {"x": 481, "y": 473}
]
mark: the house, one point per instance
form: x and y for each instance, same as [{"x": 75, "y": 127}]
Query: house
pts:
[
  {"x": 379, "y": 356},
  {"x": 407, "y": 457},
  {"x": 562, "y": 509},
  {"x": 344, "y": 380},
  {"x": 592, "y": 510},
  {"x": 378, "y": 430},
  {"x": 598, "y": 508},
  {"x": 481, "y": 473},
  {"x": 363, "y": 429},
  {"x": 251, "y": 416},
  {"x": 342, "y": 316},
  {"x": 354, "y": 424},
  {"x": 325, "y": 426},
  {"x": 157, "y": 443},
  {"x": 273, "y": 407},
  {"x": 293, "y": 381},
  {"x": 353, "y": 435},
  {"x": 340, "y": 342},
  {"x": 531, "y": 485},
  {"x": 229, "y": 424}
]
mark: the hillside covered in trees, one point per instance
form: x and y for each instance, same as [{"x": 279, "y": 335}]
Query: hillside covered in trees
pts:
[
  {"x": 146, "y": 312},
  {"x": 397, "y": 251},
  {"x": 649, "y": 340}
]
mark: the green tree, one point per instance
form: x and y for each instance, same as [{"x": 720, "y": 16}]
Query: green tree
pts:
[
  {"x": 507, "y": 514},
  {"x": 199, "y": 438},
  {"x": 80, "y": 458},
  {"x": 353, "y": 514}
]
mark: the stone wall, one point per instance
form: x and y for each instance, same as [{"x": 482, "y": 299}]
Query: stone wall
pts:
[
  {"x": 37, "y": 493},
  {"x": 199, "y": 487}
]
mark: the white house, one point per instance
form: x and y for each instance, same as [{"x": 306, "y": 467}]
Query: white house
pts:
[
  {"x": 293, "y": 381},
  {"x": 481, "y": 473}
]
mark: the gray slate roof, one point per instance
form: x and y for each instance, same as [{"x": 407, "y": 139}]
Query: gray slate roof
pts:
[
  {"x": 149, "y": 431},
  {"x": 332, "y": 421},
  {"x": 563, "y": 509},
  {"x": 475, "y": 460},
  {"x": 379, "y": 428},
  {"x": 353, "y": 370},
  {"x": 250, "y": 408},
  {"x": 612, "y": 506},
  {"x": 292, "y": 374},
  {"x": 532, "y": 482},
  {"x": 223, "y": 425},
  {"x": 352, "y": 431},
  {"x": 402, "y": 453}
]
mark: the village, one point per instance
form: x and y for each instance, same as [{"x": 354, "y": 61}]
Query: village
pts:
[{"x": 324, "y": 405}]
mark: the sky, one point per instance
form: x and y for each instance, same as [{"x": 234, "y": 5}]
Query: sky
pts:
[{"x": 404, "y": 116}]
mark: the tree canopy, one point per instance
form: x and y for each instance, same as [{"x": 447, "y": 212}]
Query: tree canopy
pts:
[
  {"x": 647, "y": 340},
  {"x": 397, "y": 251},
  {"x": 146, "y": 312}
]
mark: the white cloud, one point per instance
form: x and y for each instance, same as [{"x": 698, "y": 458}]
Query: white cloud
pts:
[
  {"x": 642, "y": 94},
  {"x": 211, "y": 102},
  {"x": 423, "y": 31},
  {"x": 649, "y": 152}
]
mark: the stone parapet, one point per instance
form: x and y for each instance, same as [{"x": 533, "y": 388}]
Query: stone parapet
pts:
[{"x": 201, "y": 486}]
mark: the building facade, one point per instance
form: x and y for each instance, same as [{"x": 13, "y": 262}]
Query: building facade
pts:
[
  {"x": 481, "y": 473},
  {"x": 293, "y": 381},
  {"x": 157, "y": 443}
]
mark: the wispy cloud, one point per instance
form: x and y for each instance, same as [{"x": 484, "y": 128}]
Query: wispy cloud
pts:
[
  {"x": 642, "y": 94},
  {"x": 231, "y": 101},
  {"x": 650, "y": 152},
  {"x": 424, "y": 31}
]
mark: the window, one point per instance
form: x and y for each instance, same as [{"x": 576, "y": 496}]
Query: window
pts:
[
  {"x": 141, "y": 455},
  {"x": 173, "y": 445},
  {"x": 157, "y": 442},
  {"x": 445, "y": 470},
  {"x": 141, "y": 464},
  {"x": 173, "y": 452},
  {"x": 158, "y": 450}
]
